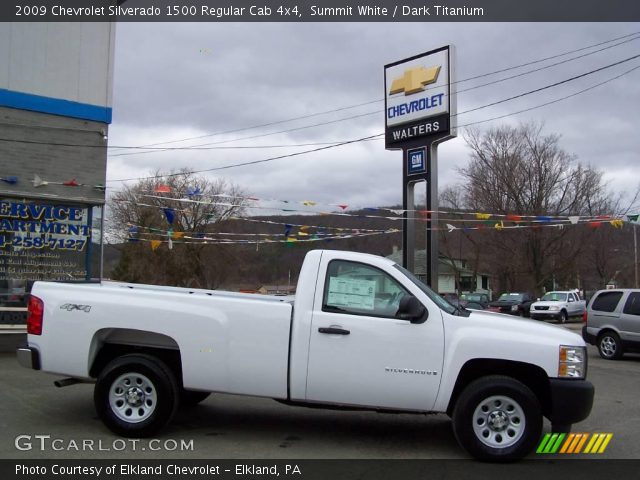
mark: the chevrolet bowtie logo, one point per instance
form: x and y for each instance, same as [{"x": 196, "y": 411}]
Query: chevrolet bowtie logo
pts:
[{"x": 414, "y": 80}]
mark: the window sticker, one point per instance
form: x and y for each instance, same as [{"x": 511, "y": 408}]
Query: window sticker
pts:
[{"x": 351, "y": 293}]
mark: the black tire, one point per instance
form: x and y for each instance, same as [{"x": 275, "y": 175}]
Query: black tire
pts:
[
  {"x": 563, "y": 317},
  {"x": 610, "y": 346},
  {"x": 152, "y": 393},
  {"x": 191, "y": 398},
  {"x": 479, "y": 411}
]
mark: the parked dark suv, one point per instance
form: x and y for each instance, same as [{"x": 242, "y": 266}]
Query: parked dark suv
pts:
[
  {"x": 612, "y": 322},
  {"x": 518, "y": 303}
]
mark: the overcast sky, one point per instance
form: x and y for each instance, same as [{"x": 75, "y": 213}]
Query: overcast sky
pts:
[{"x": 175, "y": 81}]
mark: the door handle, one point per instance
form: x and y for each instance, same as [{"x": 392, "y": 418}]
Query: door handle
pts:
[{"x": 334, "y": 330}]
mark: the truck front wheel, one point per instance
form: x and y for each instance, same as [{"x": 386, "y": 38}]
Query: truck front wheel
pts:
[
  {"x": 136, "y": 395},
  {"x": 497, "y": 418}
]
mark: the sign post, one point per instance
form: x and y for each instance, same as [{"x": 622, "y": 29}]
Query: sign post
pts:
[{"x": 420, "y": 110}]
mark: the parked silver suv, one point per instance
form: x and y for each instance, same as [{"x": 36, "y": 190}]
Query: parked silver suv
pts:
[{"x": 612, "y": 322}]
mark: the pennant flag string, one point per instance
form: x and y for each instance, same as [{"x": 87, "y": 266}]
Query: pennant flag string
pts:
[
  {"x": 11, "y": 179},
  {"x": 533, "y": 220},
  {"x": 205, "y": 238},
  {"x": 479, "y": 216},
  {"x": 39, "y": 182}
]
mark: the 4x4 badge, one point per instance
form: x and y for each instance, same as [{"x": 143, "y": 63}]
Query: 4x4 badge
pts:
[{"x": 72, "y": 306}]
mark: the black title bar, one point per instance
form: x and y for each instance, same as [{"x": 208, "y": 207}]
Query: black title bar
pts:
[{"x": 320, "y": 11}]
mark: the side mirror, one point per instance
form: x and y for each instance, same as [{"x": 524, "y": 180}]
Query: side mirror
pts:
[
  {"x": 538, "y": 299},
  {"x": 411, "y": 309},
  {"x": 571, "y": 300}
]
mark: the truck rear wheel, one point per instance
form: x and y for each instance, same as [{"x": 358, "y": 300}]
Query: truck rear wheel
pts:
[
  {"x": 136, "y": 395},
  {"x": 497, "y": 418}
]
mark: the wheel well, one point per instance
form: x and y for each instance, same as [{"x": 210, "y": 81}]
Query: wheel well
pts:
[
  {"x": 110, "y": 351},
  {"x": 532, "y": 376},
  {"x": 606, "y": 330}
]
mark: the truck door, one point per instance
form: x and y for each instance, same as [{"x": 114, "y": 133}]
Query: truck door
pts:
[{"x": 360, "y": 353}]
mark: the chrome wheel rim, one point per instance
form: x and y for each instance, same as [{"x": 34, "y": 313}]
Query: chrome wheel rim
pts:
[
  {"x": 499, "y": 421},
  {"x": 608, "y": 346},
  {"x": 133, "y": 397}
]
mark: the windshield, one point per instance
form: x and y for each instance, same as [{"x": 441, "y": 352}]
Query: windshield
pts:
[
  {"x": 472, "y": 297},
  {"x": 437, "y": 299},
  {"x": 554, "y": 297},
  {"x": 510, "y": 296}
]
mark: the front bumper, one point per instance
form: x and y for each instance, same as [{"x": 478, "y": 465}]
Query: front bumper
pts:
[
  {"x": 571, "y": 400},
  {"x": 28, "y": 357},
  {"x": 544, "y": 315}
]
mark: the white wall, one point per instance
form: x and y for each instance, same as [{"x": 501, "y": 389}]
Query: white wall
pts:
[{"x": 69, "y": 61}]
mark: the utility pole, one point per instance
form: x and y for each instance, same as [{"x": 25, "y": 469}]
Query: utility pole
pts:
[{"x": 635, "y": 252}]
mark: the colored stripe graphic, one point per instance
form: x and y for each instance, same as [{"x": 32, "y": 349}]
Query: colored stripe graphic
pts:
[
  {"x": 574, "y": 443},
  {"x": 598, "y": 443},
  {"x": 550, "y": 443}
]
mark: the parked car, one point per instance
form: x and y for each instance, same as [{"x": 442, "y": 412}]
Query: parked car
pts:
[
  {"x": 481, "y": 299},
  {"x": 558, "y": 306},
  {"x": 518, "y": 303},
  {"x": 612, "y": 322}
]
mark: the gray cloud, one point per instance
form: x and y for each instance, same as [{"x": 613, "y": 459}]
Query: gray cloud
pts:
[{"x": 179, "y": 80}]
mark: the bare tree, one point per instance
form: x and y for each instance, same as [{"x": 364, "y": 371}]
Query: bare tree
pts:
[
  {"x": 520, "y": 170},
  {"x": 179, "y": 209}
]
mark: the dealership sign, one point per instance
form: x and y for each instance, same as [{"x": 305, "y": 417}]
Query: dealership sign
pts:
[
  {"x": 420, "y": 112},
  {"x": 418, "y": 98}
]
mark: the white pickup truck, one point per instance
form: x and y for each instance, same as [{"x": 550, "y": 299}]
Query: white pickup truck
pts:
[
  {"x": 362, "y": 333},
  {"x": 560, "y": 306}
]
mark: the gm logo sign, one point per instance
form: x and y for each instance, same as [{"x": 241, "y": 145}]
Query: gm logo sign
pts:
[
  {"x": 416, "y": 161},
  {"x": 414, "y": 80}
]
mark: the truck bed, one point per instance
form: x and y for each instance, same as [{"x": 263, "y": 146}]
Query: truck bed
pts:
[{"x": 242, "y": 339}]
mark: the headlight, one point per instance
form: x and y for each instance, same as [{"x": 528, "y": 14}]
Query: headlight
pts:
[
  {"x": 514, "y": 308},
  {"x": 572, "y": 362},
  {"x": 554, "y": 308}
]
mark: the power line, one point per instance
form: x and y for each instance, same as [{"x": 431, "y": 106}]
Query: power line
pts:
[
  {"x": 254, "y": 161},
  {"x": 551, "y": 102},
  {"x": 302, "y": 117},
  {"x": 528, "y": 72},
  {"x": 591, "y": 72},
  {"x": 382, "y": 134},
  {"x": 240, "y": 147},
  {"x": 371, "y": 137},
  {"x": 377, "y": 112},
  {"x": 330, "y": 122}
]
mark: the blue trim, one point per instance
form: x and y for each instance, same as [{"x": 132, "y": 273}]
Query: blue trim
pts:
[{"x": 55, "y": 106}]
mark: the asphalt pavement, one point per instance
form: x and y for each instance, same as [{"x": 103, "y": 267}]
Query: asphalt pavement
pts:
[{"x": 41, "y": 421}]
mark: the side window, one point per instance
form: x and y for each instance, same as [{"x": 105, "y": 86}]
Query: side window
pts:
[
  {"x": 360, "y": 289},
  {"x": 632, "y": 307},
  {"x": 606, "y": 301}
]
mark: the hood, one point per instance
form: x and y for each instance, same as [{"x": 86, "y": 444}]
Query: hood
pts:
[{"x": 524, "y": 326}]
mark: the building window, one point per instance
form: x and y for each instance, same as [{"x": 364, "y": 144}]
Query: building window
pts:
[{"x": 467, "y": 284}]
